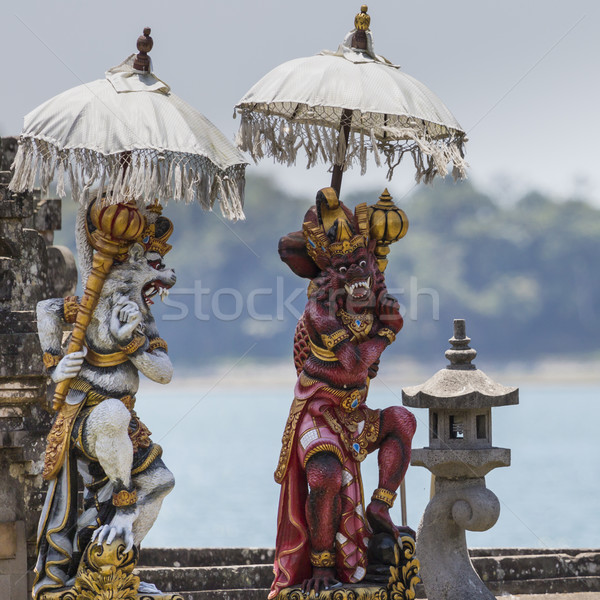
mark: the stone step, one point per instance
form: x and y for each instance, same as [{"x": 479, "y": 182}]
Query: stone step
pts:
[
  {"x": 537, "y": 566},
  {"x": 246, "y": 573},
  {"x": 566, "y": 585},
  {"x": 232, "y": 577},
  {"x": 477, "y": 552},
  {"x": 205, "y": 557}
]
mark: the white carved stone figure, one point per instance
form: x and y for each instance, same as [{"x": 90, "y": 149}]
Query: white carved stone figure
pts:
[{"x": 125, "y": 479}]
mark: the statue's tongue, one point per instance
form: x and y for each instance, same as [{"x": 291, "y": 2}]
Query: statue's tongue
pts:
[{"x": 360, "y": 292}]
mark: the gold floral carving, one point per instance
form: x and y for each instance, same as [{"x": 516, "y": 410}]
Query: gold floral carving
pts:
[
  {"x": 349, "y": 592},
  {"x": 341, "y": 423},
  {"x": 288, "y": 439},
  {"x": 404, "y": 575},
  {"x": 58, "y": 438},
  {"x": 105, "y": 573}
]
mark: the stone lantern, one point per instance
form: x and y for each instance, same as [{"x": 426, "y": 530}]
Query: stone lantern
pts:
[{"x": 460, "y": 453}]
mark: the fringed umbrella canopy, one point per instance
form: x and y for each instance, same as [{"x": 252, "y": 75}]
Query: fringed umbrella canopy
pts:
[
  {"x": 130, "y": 137},
  {"x": 340, "y": 106}
]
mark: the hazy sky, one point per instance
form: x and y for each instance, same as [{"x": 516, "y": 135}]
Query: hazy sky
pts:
[{"x": 521, "y": 76}]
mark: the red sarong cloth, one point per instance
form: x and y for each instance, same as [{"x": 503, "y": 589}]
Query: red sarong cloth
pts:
[{"x": 314, "y": 415}]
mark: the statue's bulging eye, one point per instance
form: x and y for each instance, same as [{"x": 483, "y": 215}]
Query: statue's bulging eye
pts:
[
  {"x": 157, "y": 264},
  {"x": 342, "y": 269},
  {"x": 362, "y": 263}
]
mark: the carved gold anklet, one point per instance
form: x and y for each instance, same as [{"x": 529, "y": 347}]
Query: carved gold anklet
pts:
[
  {"x": 134, "y": 345},
  {"x": 384, "y": 496},
  {"x": 124, "y": 498},
  {"x": 325, "y": 559}
]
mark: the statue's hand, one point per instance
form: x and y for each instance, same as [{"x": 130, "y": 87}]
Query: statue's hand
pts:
[
  {"x": 121, "y": 526},
  {"x": 69, "y": 366},
  {"x": 126, "y": 317},
  {"x": 322, "y": 579},
  {"x": 388, "y": 310}
]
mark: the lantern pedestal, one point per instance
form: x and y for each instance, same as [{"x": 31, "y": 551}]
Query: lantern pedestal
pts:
[
  {"x": 459, "y": 455},
  {"x": 458, "y": 505}
]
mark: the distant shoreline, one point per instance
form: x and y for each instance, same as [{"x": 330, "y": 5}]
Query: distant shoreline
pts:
[{"x": 400, "y": 373}]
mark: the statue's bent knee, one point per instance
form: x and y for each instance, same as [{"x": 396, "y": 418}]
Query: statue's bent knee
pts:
[{"x": 110, "y": 418}]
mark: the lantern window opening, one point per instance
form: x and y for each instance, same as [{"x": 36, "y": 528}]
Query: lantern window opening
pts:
[
  {"x": 434, "y": 426},
  {"x": 481, "y": 426},
  {"x": 456, "y": 428}
]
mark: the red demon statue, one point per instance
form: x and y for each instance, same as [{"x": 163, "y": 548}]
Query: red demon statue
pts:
[{"x": 349, "y": 320}]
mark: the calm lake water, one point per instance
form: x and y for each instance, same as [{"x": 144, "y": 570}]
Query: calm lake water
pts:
[{"x": 222, "y": 443}]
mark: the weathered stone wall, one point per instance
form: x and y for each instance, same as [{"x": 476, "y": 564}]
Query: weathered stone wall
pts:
[{"x": 31, "y": 269}]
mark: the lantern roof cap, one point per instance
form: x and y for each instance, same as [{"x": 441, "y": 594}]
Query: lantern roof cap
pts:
[{"x": 460, "y": 385}]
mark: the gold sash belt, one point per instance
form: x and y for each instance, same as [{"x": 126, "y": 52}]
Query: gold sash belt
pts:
[{"x": 105, "y": 360}]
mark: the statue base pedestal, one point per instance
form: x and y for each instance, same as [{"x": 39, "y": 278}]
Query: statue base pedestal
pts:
[
  {"x": 106, "y": 571},
  {"x": 392, "y": 575},
  {"x": 72, "y": 594},
  {"x": 348, "y": 591}
]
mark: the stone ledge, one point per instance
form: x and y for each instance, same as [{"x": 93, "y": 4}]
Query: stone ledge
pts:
[{"x": 565, "y": 574}]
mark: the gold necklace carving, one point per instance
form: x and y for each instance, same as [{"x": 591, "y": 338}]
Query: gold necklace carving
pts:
[{"x": 360, "y": 325}]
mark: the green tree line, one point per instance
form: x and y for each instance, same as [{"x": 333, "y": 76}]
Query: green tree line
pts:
[{"x": 524, "y": 276}]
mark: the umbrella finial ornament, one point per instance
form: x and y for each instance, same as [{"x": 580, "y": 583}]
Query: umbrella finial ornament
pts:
[
  {"x": 362, "y": 21},
  {"x": 144, "y": 45}
]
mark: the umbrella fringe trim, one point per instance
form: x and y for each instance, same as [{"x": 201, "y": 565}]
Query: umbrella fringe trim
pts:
[
  {"x": 151, "y": 175},
  {"x": 274, "y": 136}
]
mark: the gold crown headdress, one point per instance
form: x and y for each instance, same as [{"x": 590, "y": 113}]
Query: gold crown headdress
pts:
[
  {"x": 156, "y": 233},
  {"x": 153, "y": 237},
  {"x": 330, "y": 229}
]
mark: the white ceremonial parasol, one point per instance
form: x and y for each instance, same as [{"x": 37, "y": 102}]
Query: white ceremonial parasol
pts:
[
  {"x": 339, "y": 105},
  {"x": 129, "y": 136},
  {"x": 134, "y": 143}
]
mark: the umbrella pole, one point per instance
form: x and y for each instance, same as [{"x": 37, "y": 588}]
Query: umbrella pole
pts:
[
  {"x": 359, "y": 40},
  {"x": 403, "y": 504},
  {"x": 344, "y": 136}
]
